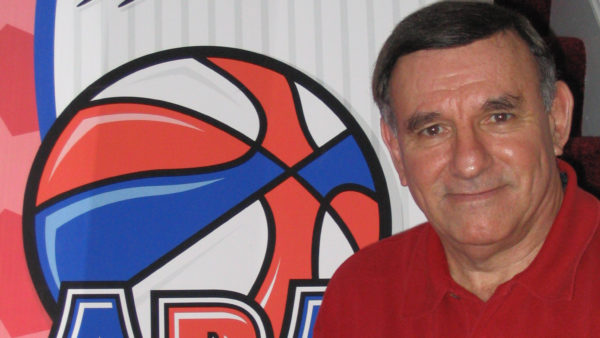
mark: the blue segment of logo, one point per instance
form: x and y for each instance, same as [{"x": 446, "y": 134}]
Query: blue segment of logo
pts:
[
  {"x": 44, "y": 64},
  {"x": 311, "y": 307},
  {"x": 95, "y": 317},
  {"x": 342, "y": 164},
  {"x": 114, "y": 232}
]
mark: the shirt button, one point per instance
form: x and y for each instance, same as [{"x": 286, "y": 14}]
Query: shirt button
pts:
[{"x": 454, "y": 295}]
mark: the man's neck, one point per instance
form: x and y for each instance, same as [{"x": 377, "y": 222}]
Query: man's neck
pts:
[{"x": 482, "y": 275}]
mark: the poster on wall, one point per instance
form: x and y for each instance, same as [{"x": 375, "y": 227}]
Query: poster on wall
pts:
[{"x": 184, "y": 168}]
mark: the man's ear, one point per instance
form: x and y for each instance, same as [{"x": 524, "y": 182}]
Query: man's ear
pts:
[
  {"x": 390, "y": 138},
  {"x": 560, "y": 116}
]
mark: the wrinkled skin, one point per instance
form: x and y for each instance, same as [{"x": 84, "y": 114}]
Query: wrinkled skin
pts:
[{"x": 477, "y": 148}]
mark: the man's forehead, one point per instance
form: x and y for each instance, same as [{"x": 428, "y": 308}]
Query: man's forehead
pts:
[
  {"x": 505, "y": 47},
  {"x": 495, "y": 67},
  {"x": 503, "y": 39}
]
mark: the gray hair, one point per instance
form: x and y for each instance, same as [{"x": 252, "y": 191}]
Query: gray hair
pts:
[{"x": 454, "y": 24}]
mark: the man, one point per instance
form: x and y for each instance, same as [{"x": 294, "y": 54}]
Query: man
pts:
[{"x": 474, "y": 118}]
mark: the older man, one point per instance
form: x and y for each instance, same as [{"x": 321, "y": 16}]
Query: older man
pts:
[{"x": 474, "y": 118}]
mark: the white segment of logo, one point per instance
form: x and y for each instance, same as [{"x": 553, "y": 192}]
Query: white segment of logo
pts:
[
  {"x": 197, "y": 87},
  {"x": 66, "y": 311},
  {"x": 296, "y": 306},
  {"x": 334, "y": 248},
  {"x": 321, "y": 121},
  {"x": 229, "y": 258}
]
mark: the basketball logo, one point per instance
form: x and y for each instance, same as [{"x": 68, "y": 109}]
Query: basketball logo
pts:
[{"x": 199, "y": 190}]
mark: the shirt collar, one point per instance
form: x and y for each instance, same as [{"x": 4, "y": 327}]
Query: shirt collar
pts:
[
  {"x": 550, "y": 276},
  {"x": 429, "y": 273}
]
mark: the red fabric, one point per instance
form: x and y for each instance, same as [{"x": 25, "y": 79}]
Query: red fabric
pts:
[{"x": 401, "y": 287}]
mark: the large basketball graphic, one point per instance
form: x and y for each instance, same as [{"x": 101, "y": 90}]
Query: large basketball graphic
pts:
[{"x": 201, "y": 190}]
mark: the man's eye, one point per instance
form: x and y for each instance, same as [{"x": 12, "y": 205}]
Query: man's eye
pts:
[
  {"x": 433, "y": 130},
  {"x": 501, "y": 117}
]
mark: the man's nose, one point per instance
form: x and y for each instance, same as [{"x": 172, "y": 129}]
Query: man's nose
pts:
[{"x": 470, "y": 156}]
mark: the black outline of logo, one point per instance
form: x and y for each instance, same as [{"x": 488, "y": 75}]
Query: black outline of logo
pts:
[{"x": 201, "y": 54}]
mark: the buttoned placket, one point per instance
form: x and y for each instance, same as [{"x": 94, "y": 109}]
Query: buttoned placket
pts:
[{"x": 488, "y": 309}]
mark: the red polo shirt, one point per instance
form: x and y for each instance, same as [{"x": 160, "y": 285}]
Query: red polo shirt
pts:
[{"x": 401, "y": 286}]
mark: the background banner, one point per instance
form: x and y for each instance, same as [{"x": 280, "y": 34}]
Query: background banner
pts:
[{"x": 171, "y": 168}]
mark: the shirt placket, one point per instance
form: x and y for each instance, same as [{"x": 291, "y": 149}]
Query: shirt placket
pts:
[{"x": 487, "y": 311}]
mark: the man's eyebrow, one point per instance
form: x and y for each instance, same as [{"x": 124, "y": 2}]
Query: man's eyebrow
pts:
[
  {"x": 419, "y": 119},
  {"x": 505, "y": 102}
]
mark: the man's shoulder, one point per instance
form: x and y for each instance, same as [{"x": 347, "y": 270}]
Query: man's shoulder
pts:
[
  {"x": 390, "y": 254},
  {"x": 401, "y": 243},
  {"x": 369, "y": 283}
]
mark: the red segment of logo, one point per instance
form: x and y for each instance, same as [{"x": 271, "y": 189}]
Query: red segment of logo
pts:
[
  {"x": 295, "y": 211},
  {"x": 118, "y": 139},
  {"x": 210, "y": 321},
  {"x": 284, "y": 137},
  {"x": 361, "y": 214}
]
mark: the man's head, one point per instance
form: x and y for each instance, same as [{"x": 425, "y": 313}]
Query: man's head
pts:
[
  {"x": 472, "y": 136},
  {"x": 451, "y": 24}
]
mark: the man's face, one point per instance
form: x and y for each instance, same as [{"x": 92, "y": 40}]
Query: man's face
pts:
[{"x": 474, "y": 143}]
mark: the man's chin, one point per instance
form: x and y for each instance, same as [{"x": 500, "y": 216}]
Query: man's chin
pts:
[{"x": 476, "y": 233}]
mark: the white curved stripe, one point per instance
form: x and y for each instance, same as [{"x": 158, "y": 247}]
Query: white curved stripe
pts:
[
  {"x": 62, "y": 216},
  {"x": 190, "y": 84},
  {"x": 265, "y": 299},
  {"x": 87, "y": 124},
  {"x": 208, "y": 315}
]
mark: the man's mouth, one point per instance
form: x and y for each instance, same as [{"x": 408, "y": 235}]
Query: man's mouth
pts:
[{"x": 475, "y": 195}]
